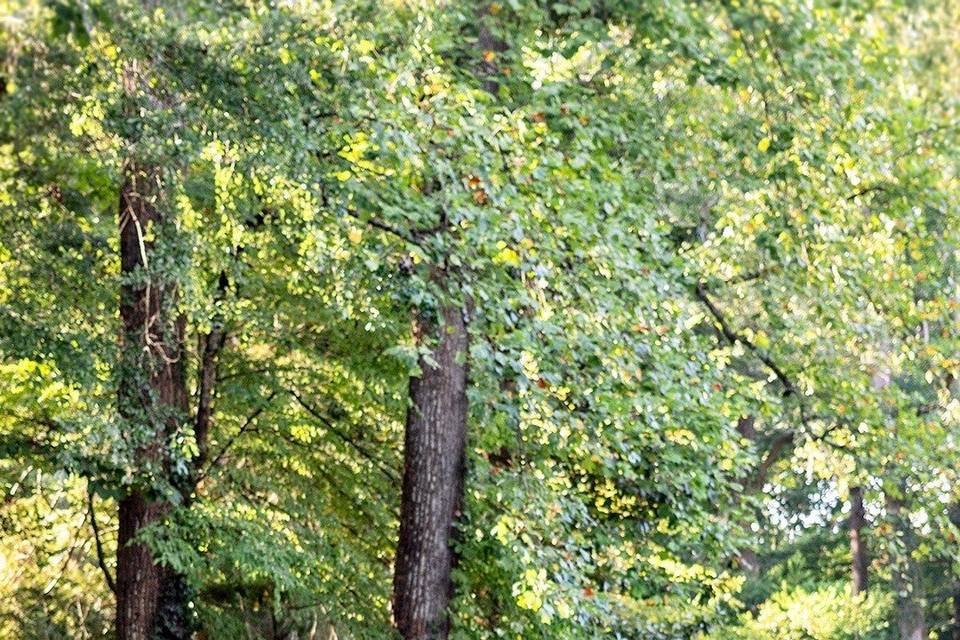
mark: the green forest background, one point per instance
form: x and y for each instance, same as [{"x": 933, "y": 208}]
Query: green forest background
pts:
[{"x": 692, "y": 269}]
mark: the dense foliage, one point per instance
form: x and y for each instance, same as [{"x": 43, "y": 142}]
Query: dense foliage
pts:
[{"x": 706, "y": 255}]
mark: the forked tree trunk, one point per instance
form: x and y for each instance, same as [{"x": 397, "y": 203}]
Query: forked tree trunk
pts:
[
  {"x": 152, "y": 398},
  {"x": 432, "y": 480},
  {"x": 858, "y": 548}
]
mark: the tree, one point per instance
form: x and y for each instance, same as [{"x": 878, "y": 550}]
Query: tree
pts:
[
  {"x": 583, "y": 299},
  {"x": 151, "y": 600},
  {"x": 858, "y": 552}
]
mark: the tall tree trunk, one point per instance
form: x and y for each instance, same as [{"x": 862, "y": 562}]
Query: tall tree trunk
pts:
[
  {"x": 911, "y": 620},
  {"x": 432, "y": 480},
  {"x": 858, "y": 549},
  {"x": 152, "y": 398},
  {"x": 434, "y": 450}
]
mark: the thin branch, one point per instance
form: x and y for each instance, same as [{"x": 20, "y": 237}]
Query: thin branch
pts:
[
  {"x": 750, "y": 276},
  {"x": 101, "y": 558},
  {"x": 383, "y": 226},
  {"x": 345, "y": 438},
  {"x": 243, "y": 429},
  {"x": 864, "y": 191},
  {"x": 761, "y": 83},
  {"x": 775, "y": 54},
  {"x": 789, "y": 388},
  {"x": 257, "y": 371},
  {"x": 68, "y": 556}
]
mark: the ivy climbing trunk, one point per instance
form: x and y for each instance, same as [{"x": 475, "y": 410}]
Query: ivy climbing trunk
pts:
[
  {"x": 152, "y": 396},
  {"x": 433, "y": 470},
  {"x": 858, "y": 549}
]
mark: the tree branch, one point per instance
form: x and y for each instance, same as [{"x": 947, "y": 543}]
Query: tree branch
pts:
[
  {"x": 101, "y": 559},
  {"x": 243, "y": 429},
  {"x": 383, "y": 226},
  {"x": 750, "y": 275},
  {"x": 774, "y": 451},
  {"x": 789, "y": 388},
  {"x": 865, "y": 190},
  {"x": 345, "y": 438}
]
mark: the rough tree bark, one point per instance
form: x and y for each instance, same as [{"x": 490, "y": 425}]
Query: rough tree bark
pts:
[
  {"x": 152, "y": 398},
  {"x": 858, "y": 548},
  {"x": 432, "y": 480}
]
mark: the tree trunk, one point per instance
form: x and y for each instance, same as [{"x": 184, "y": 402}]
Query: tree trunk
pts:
[
  {"x": 432, "y": 481},
  {"x": 953, "y": 513},
  {"x": 858, "y": 549},
  {"x": 911, "y": 621},
  {"x": 152, "y": 399},
  {"x": 955, "y": 635},
  {"x": 747, "y": 558},
  {"x": 434, "y": 451},
  {"x": 211, "y": 346}
]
